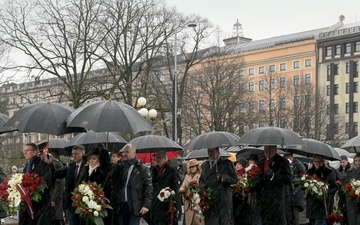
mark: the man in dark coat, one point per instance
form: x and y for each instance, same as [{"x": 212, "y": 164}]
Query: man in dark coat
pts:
[
  {"x": 72, "y": 180},
  {"x": 164, "y": 175},
  {"x": 352, "y": 204},
  {"x": 270, "y": 191},
  {"x": 296, "y": 194},
  {"x": 41, "y": 208},
  {"x": 218, "y": 174},
  {"x": 316, "y": 209},
  {"x": 132, "y": 190}
]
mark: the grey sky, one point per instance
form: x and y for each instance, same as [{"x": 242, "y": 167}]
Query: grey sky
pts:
[{"x": 269, "y": 18}]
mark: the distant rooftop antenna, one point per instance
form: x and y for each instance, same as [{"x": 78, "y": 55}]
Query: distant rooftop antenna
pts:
[{"x": 237, "y": 30}]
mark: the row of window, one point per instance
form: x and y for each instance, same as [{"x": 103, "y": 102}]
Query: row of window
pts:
[
  {"x": 282, "y": 66},
  {"x": 347, "y": 69},
  {"x": 347, "y": 88},
  {"x": 342, "y": 49},
  {"x": 272, "y": 83},
  {"x": 335, "y": 110}
]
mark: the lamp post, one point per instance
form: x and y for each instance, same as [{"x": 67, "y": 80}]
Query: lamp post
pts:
[
  {"x": 174, "y": 94},
  {"x": 148, "y": 114}
]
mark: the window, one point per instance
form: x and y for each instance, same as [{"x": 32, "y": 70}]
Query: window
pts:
[
  {"x": 336, "y": 89},
  {"x": 283, "y": 82},
  {"x": 242, "y": 108},
  {"x": 336, "y": 108},
  {"x": 272, "y": 104},
  {"x": 283, "y": 122},
  {"x": 296, "y": 101},
  {"x": 308, "y": 62},
  {"x": 296, "y": 80},
  {"x": 241, "y": 73},
  {"x": 338, "y": 50},
  {"x": 251, "y": 71},
  {"x": 282, "y": 66},
  {"x": 328, "y": 90},
  {"x": 357, "y": 46},
  {"x": 242, "y": 88},
  {"x": 347, "y": 107},
  {"x": 272, "y": 83},
  {"x": 347, "y": 70},
  {"x": 192, "y": 93},
  {"x": 296, "y": 64},
  {"x": 328, "y": 51},
  {"x": 262, "y": 105},
  {"x": 261, "y": 85},
  {"x": 252, "y": 107},
  {"x": 355, "y": 107},
  {"x": 347, "y": 88},
  {"x": 282, "y": 103},
  {"x": 200, "y": 93},
  {"x": 251, "y": 86},
  {"x": 308, "y": 78},
  {"x": 307, "y": 100},
  {"x": 356, "y": 64},
  {"x": 347, "y": 48},
  {"x": 272, "y": 68},
  {"x": 356, "y": 87},
  {"x": 261, "y": 70}
]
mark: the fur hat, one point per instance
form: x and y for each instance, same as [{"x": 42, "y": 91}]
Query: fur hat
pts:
[
  {"x": 193, "y": 162},
  {"x": 241, "y": 160},
  {"x": 254, "y": 157}
]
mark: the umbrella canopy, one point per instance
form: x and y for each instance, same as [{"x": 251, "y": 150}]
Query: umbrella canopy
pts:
[
  {"x": 214, "y": 139},
  {"x": 202, "y": 154},
  {"x": 150, "y": 157},
  {"x": 92, "y": 140},
  {"x": 42, "y": 117},
  {"x": 248, "y": 150},
  {"x": 270, "y": 136},
  {"x": 55, "y": 144},
  {"x": 108, "y": 116},
  {"x": 352, "y": 145},
  {"x": 314, "y": 147},
  {"x": 5, "y": 129},
  {"x": 341, "y": 152},
  {"x": 153, "y": 143}
]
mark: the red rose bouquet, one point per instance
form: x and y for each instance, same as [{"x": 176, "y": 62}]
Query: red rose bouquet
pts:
[
  {"x": 352, "y": 189},
  {"x": 202, "y": 201},
  {"x": 90, "y": 203},
  {"x": 253, "y": 174},
  {"x": 336, "y": 217},
  {"x": 20, "y": 190},
  {"x": 241, "y": 187}
]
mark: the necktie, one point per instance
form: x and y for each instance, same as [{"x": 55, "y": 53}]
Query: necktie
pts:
[
  {"x": 266, "y": 165},
  {"x": 76, "y": 173}
]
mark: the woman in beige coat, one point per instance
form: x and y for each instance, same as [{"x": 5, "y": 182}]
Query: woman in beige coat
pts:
[{"x": 194, "y": 172}]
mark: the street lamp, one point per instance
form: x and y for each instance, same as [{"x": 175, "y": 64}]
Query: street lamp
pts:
[
  {"x": 148, "y": 114},
  {"x": 174, "y": 96}
]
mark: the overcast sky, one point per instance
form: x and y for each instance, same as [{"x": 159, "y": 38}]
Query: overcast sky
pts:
[{"x": 268, "y": 18}]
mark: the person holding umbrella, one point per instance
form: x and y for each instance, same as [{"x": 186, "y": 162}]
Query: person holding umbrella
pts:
[
  {"x": 352, "y": 204},
  {"x": 218, "y": 174},
  {"x": 317, "y": 210},
  {"x": 270, "y": 191}
]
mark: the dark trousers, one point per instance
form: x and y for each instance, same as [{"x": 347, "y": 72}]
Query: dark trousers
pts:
[
  {"x": 72, "y": 217},
  {"x": 127, "y": 217}
]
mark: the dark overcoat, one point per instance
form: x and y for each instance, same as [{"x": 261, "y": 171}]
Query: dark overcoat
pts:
[
  {"x": 221, "y": 213},
  {"x": 315, "y": 208},
  {"x": 296, "y": 194},
  {"x": 159, "y": 212},
  {"x": 270, "y": 205},
  {"x": 352, "y": 205},
  {"x": 57, "y": 193},
  {"x": 42, "y": 208}
]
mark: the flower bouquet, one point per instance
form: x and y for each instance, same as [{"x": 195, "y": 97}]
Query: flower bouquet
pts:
[
  {"x": 312, "y": 185},
  {"x": 202, "y": 201},
  {"x": 253, "y": 174},
  {"x": 352, "y": 189},
  {"x": 336, "y": 217},
  {"x": 20, "y": 190},
  {"x": 90, "y": 203},
  {"x": 241, "y": 187},
  {"x": 166, "y": 195}
]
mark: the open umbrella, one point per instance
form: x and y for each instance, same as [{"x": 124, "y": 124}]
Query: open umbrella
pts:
[
  {"x": 314, "y": 147},
  {"x": 352, "y": 145},
  {"x": 55, "y": 144},
  {"x": 5, "y": 129},
  {"x": 213, "y": 139},
  {"x": 42, "y": 117},
  {"x": 153, "y": 143},
  {"x": 92, "y": 140},
  {"x": 148, "y": 158},
  {"x": 202, "y": 154},
  {"x": 270, "y": 136},
  {"x": 108, "y": 116},
  {"x": 341, "y": 152}
]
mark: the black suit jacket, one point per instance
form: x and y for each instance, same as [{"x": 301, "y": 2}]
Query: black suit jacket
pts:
[{"x": 70, "y": 183}]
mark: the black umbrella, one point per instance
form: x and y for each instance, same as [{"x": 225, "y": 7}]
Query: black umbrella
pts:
[
  {"x": 108, "y": 116},
  {"x": 214, "y": 139},
  {"x": 153, "y": 143},
  {"x": 42, "y": 117},
  {"x": 249, "y": 150},
  {"x": 352, "y": 145},
  {"x": 92, "y": 140},
  {"x": 314, "y": 147},
  {"x": 341, "y": 152},
  {"x": 270, "y": 136},
  {"x": 5, "y": 129},
  {"x": 58, "y": 144},
  {"x": 202, "y": 154}
]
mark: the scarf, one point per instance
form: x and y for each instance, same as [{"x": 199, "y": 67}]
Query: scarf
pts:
[{"x": 92, "y": 169}]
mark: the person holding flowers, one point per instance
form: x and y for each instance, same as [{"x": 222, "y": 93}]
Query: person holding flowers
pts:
[
  {"x": 352, "y": 192},
  {"x": 317, "y": 208},
  {"x": 187, "y": 188},
  {"x": 218, "y": 174},
  {"x": 41, "y": 209}
]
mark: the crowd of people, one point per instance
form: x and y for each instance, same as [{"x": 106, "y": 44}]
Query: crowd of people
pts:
[{"x": 133, "y": 188}]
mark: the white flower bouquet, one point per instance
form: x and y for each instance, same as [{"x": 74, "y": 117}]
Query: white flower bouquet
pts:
[
  {"x": 166, "y": 194},
  {"x": 313, "y": 185}
]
